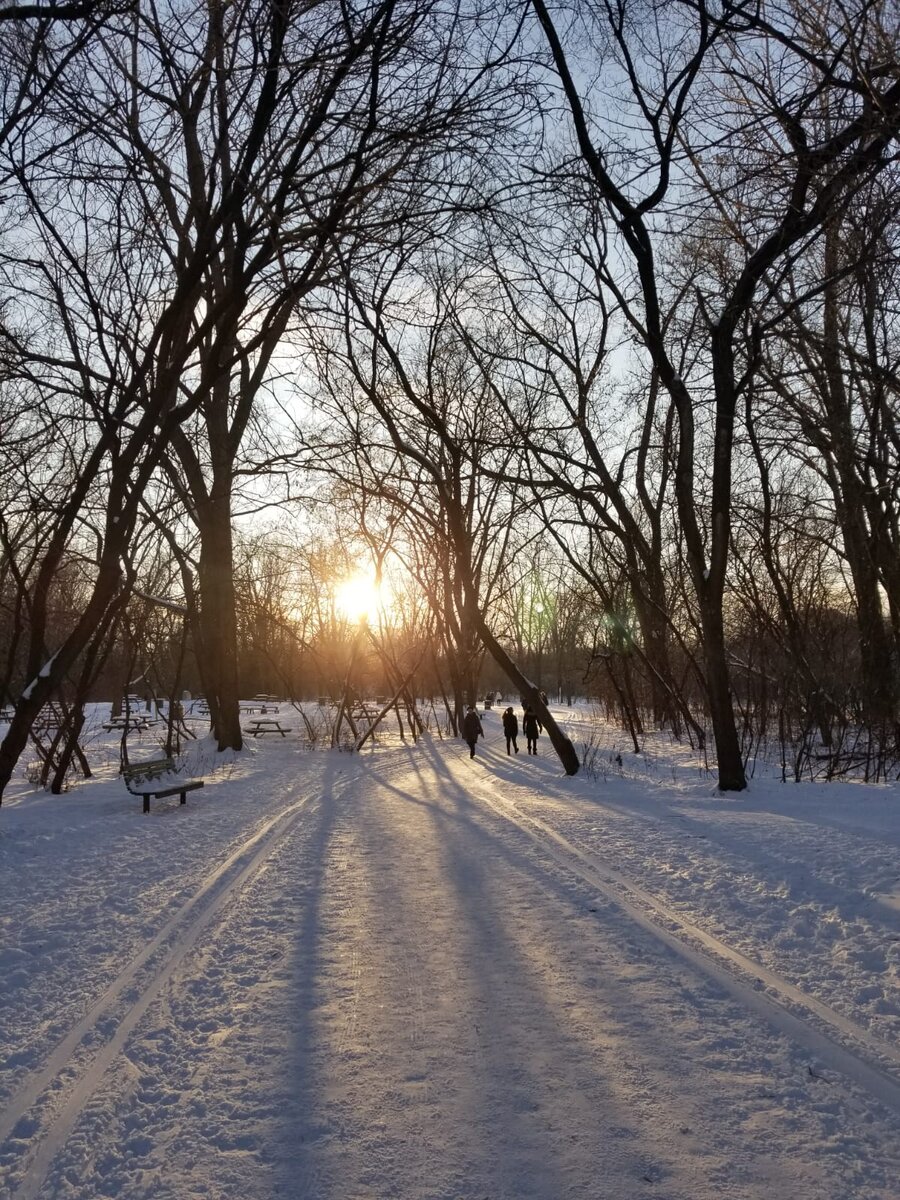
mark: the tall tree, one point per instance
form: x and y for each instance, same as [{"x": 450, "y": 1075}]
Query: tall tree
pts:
[
  {"x": 433, "y": 402},
  {"x": 188, "y": 174},
  {"x": 338, "y": 139},
  {"x": 698, "y": 84},
  {"x": 831, "y": 370}
]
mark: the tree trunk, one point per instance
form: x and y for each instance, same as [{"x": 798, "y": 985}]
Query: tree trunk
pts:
[
  {"x": 875, "y": 642},
  {"x": 218, "y": 621},
  {"x": 568, "y": 755},
  {"x": 648, "y": 591},
  {"x": 730, "y": 762},
  {"x": 46, "y": 678},
  {"x": 71, "y": 749},
  {"x": 709, "y": 581}
]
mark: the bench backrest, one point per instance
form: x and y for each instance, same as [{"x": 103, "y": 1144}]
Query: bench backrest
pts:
[{"x": 149, "y": 769}]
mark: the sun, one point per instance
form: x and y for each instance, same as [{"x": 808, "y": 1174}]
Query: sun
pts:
[{"x": 361, "y": 599}]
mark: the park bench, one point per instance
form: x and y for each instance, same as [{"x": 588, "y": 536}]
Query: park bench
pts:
[{"x": 153, "y": 777}]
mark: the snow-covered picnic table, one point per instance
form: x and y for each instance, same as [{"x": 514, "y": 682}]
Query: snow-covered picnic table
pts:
[
  {"x": 139, "y": 723},
  {"x": 267, "y": 725}
]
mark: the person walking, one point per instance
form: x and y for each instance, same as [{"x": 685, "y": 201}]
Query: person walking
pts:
[
  {"x": 511, "y": 729},
  {"x": 472, "y": 729},
  {"x": 531, "y": 727}
]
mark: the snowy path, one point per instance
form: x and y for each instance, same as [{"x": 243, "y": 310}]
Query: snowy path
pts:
[
  {"x": 844, "y": 1045},
  {"x": 178, "y": 937},
  {"x": 397, "y": 983}
]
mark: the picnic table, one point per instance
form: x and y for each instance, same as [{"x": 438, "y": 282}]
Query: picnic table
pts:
[
  {"x": 119, "y": 723},
  {"x": 267, "y": 725}
]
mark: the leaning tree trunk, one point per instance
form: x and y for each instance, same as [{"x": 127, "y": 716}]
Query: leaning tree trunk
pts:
[
  {"x": 45, "y": 678},
  {"x": 531, "y": 694},
  {"x": 97, "y": 653}
]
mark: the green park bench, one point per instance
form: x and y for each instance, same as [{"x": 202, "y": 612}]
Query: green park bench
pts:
[{"x": 154, "y": 777}]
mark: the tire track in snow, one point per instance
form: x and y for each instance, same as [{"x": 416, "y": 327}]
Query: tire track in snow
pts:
[
  {"x": 172, "y": 944},
  {"x": 745, "y": 980}
]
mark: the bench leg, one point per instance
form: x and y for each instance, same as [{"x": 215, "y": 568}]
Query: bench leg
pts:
[
  {"x": 183, "y": 799},
  {"x": 147, "y": 802}
]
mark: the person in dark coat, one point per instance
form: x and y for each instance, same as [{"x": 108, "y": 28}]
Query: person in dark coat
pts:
[
  {"x": 511, "y": 729},
  {"x": 531, "y": 727},
  {"x": 472, "y": 729}
]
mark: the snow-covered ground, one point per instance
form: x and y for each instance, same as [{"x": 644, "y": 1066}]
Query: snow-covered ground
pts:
[{"x": 410, "y": 975}]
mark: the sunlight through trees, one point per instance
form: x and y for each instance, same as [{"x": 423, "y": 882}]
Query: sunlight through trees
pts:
[{"x": 423, "y": 351}]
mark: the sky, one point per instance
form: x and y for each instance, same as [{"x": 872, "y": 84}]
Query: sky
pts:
[{"x": 407, "y": 974}]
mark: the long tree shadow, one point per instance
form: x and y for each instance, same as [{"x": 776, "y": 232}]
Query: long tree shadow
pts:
[
  {"x": 292, "y": 1168},
  {"x": 800, "y": 874},
  {"x": 483, "y": 1009}
]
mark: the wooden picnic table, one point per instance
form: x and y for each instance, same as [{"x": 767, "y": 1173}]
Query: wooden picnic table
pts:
[
  {"x": 120, "y": 723},
  {"x": 267, "y": 725}
]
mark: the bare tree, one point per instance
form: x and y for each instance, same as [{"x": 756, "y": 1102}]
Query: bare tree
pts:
[
  {"x": 599, "y": 443},
  {"x": 432, "y": 400},
  {"x": 831, "y": 372},
  {"x": 340, "y": 146},
  {"x": 215, "y": 156},
  {"x": 697, "y": 85}
]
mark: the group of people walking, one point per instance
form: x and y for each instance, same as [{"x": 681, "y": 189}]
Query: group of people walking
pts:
[{"x": 531, "y": 727}]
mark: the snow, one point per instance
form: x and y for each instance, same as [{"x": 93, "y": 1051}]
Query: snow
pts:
[
  {"x": 43, "y": 673},
  {"x": 162, "y": 602},
  {"x": 404, "y": 974}
]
